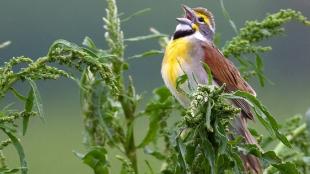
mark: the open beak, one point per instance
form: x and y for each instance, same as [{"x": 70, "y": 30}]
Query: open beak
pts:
[
  {"x": 184, "y": 21},
  {"x": 189, "y": 13}
]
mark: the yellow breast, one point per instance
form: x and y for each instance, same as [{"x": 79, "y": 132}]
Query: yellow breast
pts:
[{"x": 176, "y": 55}]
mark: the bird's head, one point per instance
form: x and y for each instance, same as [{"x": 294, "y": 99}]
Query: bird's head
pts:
[{"x": 197, "y": 21}]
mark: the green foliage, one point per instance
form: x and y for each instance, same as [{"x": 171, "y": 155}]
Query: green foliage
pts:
[
  {"x": 198, "y": 142},
  {"x": 96, "y": 158},
  {"x": 246, "y": 42}
]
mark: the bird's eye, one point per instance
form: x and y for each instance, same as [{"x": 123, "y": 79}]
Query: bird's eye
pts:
[{"x": 200, "y": 19}]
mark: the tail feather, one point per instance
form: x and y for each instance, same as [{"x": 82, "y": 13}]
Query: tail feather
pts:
[{"x": 250, "y": 162}]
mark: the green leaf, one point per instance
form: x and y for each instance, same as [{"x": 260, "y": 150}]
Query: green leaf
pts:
[
  {"x": 306, "y": 160},
  {"x": 127, "y": 167},
  {"x": 37, "y": 98},
  {"x": 286, "y": 168},
  {"x": 8, "y": 171},
  {"x": 153, "y": 128},
  {"x": 5, "y": 44},
  {"x": 220, "y": 134},
  {"x": 149, "y": 167},
  {"x": 208, "y": 151},
  {"x": 17, "y": 94},
  {"x": 208, "y": 116},
  {"x": 140, "y": 12},
  {"x": 262, "y": 120},
  {"x": 96, "y": 159},
  {"x": 157, "y": 110},
  {"x": 154, "y": 153},
  {"x": 308, "y": 120},
  {"x": 182, "y": 151},
  {"x": 89, "y": 43},
  {"x": 141, "y": 38},
  {"x": 28, "y": 108},
  {"x": 146, "y": 54},
  {"x": 271, "y": 157},
  {"x": 251, "y": 149},
  {"x": 208, "y": 70},
  {"x": 259, "y": 70},
  {"x": 91, "y": 52},
  {"x": 269, "y": 120},
  {"x": 162, "y": 93},
  {"x": 238, "y": 168},
  {"x": 19, "y": 149},
  {"x": 181, "y": 80},
  {"x": 227, "y": 16}
]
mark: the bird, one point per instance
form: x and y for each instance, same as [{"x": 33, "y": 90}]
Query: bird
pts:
[{"x": 192, "y": 46}]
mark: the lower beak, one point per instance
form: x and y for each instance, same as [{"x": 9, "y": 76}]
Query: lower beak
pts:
[{"x": 184, "y": 21}]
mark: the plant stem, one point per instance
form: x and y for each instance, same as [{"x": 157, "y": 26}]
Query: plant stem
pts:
[
  {"x": 129, "y": 145},
  {"x": 114, "y": 37}
]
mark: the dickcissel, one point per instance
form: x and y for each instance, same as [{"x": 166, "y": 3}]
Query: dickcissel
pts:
[{"x": 191, "y": 46}]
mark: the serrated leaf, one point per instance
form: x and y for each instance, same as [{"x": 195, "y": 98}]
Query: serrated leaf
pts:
[
  {"x": 28, "y": 108},
  {"x": 19, "y": 149}
]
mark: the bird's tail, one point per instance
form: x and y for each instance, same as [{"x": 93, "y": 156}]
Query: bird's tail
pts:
[{"x": 250, "y": 162}]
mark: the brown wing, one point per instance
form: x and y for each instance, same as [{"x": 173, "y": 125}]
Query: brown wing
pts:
[{"x": 224, "y": 71}]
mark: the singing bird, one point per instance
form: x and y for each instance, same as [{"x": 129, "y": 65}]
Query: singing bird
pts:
[{"x": 191, "y": 46}]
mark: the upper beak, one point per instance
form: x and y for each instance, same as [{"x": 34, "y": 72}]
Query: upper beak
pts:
[{"x": 189, "y": 13}]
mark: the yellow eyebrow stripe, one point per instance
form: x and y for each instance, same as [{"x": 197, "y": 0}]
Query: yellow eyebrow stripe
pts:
[{"x": 205, "y": 18}]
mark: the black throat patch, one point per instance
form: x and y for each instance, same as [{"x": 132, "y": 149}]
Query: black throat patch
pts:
[{"x": 182, "y": 33}]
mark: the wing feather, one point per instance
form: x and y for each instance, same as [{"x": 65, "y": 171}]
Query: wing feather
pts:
[{"x": 224, "y": 71}]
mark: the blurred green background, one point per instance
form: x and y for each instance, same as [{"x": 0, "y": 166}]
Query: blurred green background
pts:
[{"x": 32, "y": 25}]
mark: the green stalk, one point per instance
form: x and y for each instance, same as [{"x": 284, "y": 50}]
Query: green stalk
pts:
[
  {"x": 130, "y": 146},
  {"x": 115, "y": 40}
]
